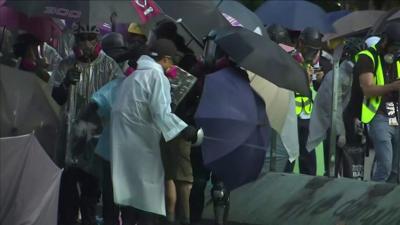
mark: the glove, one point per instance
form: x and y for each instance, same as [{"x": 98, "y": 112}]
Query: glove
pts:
[
  {"x": 73, "y": 76},
  {"x": 189, "y": 134}
]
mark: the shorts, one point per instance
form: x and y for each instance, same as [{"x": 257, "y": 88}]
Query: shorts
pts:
[{"x": 176, "y": 160}]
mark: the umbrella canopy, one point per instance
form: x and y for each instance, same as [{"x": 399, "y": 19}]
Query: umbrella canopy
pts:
[
  {"x": 295, "y": 15},
  {"x": 11, "y": 18},
  {"x": 243, "y": 15},
  {"x": 199, "y": 16},
  {"x": 391, "y": 15},
  {"x": 263, "y": 57},
  {"x": 335, "y": 15},
  {"x": 27, "y": 106},
  {"x": 87, "y": 12},
  {"x": 354, "y": 22},
  {"x": 29, "y": 182},
  {"x": 235, "y": 126}
]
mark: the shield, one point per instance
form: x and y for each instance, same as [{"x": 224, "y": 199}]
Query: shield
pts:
[
  {"x": 26, "y": 107},
  {"x": 295, "y": 15},
  {"x": 29, "y": 182},
  {"x": 235, "y": 126},
  {"x": 263, "y": 57}
]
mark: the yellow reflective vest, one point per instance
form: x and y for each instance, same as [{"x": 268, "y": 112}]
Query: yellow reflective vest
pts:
[
  {"x": 303, "y": 104},
  {"x": 371, "y": 105}
]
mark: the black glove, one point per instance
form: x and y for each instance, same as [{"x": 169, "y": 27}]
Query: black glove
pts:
[
  {"x": 189, "y": 134},
  {"x": 73, "y": 76}
]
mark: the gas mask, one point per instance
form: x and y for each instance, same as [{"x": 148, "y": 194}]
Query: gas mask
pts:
[
  {"x": 392, "y": 55},
  {"x": 87, "y": 48},
  {"x": 172, "y": 72}
]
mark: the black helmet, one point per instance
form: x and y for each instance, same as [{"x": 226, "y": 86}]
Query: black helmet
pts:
[
  {"x": 311, "y": 38},
  {"x": 392, "y": 33},
  {"x": 113, "y": 44},
  {"x": 278, "y": 34},
  {"x": 352, "y": 46}
]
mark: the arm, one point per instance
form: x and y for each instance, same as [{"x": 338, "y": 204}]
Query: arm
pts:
[{"x": 370, "y": 89}]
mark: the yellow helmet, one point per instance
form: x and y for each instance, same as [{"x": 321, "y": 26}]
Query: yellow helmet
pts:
[{"x": 135, "y": 29}]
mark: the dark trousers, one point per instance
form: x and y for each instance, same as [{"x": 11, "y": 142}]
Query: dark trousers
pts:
[
  {"x": 110, "y": 209},
  {"x": 72, "y": 200},
  {"x": 307, "y": 160},
  {"x": 200, "y": 177}
]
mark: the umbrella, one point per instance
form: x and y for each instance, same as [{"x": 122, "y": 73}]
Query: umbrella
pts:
[
  {"x": 295, "y": 15},
  {"x": 87, "y": 12},
  {"x": 335, "y": 15},
  {"x": 27, "y": 106},
  {"x": 263, "y": 57},
  {"x": 11, "y": 18},
  {"x": 199, "y": 16},
  {"x": 246, "y": 18},
  {"x": 391, "y": 15},
  {"x": 29, "y": 182},
  {"x": 235, "y": 126},
  {"x": 279, "y": 105},
  {"x": 354, "y": 22}
]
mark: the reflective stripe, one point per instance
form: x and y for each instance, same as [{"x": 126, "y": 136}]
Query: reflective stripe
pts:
[{"x": 303, "y": 104}]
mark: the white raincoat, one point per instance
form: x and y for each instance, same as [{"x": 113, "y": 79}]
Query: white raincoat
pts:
[{"x": 140, "y": 114}]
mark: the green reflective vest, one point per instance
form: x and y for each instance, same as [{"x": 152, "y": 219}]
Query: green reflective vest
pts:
[
  {"x": 371, "y": 105},
  {"x": 303, "y": 104}
]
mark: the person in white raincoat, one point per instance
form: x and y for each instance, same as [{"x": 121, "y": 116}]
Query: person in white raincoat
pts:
[{"x": 141, "y": 115}]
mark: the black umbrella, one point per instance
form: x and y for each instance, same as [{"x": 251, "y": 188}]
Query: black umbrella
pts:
[
  {"x": 242, "y": 14},
  {"x": 200, "y": 16},
  {"x": 260, "y": 55},
  {"x": 85, "y": 11}
]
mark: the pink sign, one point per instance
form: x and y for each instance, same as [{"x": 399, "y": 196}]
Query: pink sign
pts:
[
  {"x": 146, "y": 9},
  {"x": 233, "y": 21}
]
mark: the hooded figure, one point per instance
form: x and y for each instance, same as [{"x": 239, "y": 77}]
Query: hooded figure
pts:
[{"x": 141, "y": 115}]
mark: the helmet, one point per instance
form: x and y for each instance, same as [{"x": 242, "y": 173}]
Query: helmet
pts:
[
  {"x": 135, "y": 28},
  {"x": 392, "y": 33},
  {"x": 113, "y": 44},
  {"x": 278, "y": 34},
  {"x": 311, "y": 38},
  {"x": 85, "y": 29},
  {"x": 352, "y": 46}
]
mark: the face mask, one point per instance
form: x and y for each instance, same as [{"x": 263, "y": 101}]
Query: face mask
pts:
[
  {"x": 27, "y": 64},
  {"x": 309, "y": 55},
  {"x": 172, "y": 72}
]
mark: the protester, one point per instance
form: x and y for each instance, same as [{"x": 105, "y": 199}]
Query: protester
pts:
[
  {"x": 36, "y": 56},
  {"x": 279, "y": 34},
  {"x": 75, "y": 80},
  {"x": 140, "y": 117},
  {"x": 176, "y": 154},
  {"x": 309, "y": 46},
  {"x": 379, "y": 73},
  {"x": 7, "y": 56}
]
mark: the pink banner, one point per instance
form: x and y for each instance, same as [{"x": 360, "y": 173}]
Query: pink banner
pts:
[{"x": 146, "y": 9}]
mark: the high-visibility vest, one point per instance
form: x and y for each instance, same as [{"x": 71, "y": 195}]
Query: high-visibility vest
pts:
[
  {"x": 371, "y": 105},
  {"x": 303, "y": 104}
]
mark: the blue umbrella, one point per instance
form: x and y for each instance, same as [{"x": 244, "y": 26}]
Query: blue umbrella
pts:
[
  {"x": 335, "y": 15},
  {"x": 236, "y": 128},
  {"x": 295, "y": 15}
]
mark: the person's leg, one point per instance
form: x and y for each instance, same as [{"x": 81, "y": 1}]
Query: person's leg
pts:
[
  {"x": 183, "y": 191},
  {"x": 110, "y": 209},
  {"x": 90, "y": 194},
  {"x": 381, "y": 138},
  {"x": 146, "y": 218},
  {"x": 394, "y": 175},
  {"x": 307, "y": 160},
  {"x": 221, "y": 201},
  {"x": 201, "y": 175},
  {"x": 129, "y": 215},
  {"x": 170, "y": 200},
  {"x": 69, "y": 198}
]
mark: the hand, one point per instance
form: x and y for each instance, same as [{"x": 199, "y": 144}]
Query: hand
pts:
[
  {"x": 395, "y": 86},
  {"x": 73, "y": 76},
  {"x": 189, "y": 134}
]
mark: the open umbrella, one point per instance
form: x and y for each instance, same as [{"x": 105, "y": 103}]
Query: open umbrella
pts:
[
  {"x": 242, "y": 14},
  {"x": 235, "y": 126},
  {"x": 29, "y": 182},
  {"x": 88, "y": 11},
  {"x": 27, "y": 106},
  {"x": 263, "y": 57},
  {"x": 354, "y": 22},
  {"x": 391, "y": 15},
  {"x": 335, "y": 15},
  {"x": 294, "y": 14}
]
